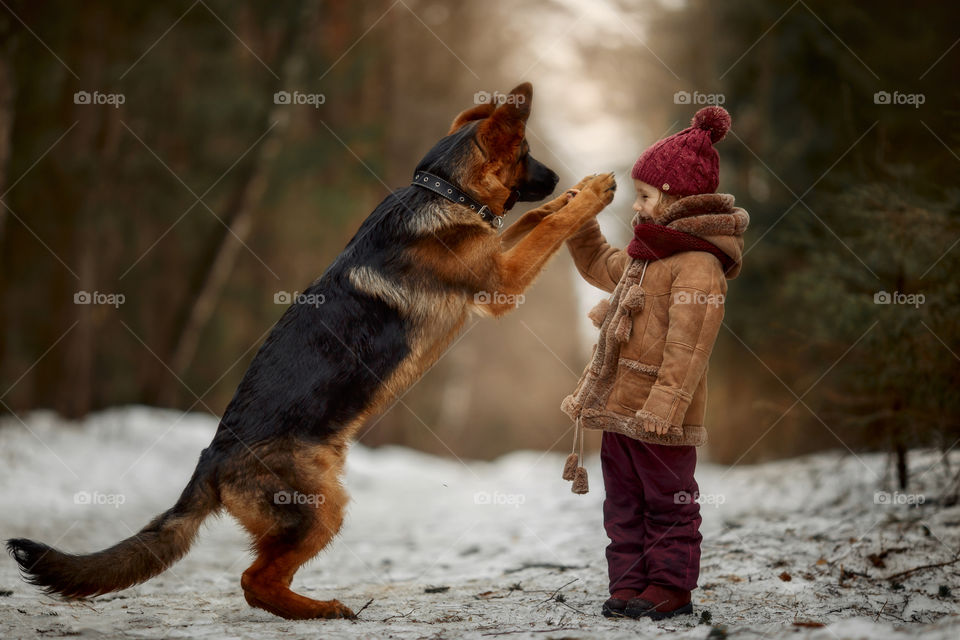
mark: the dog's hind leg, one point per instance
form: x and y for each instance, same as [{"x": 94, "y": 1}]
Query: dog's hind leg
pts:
[
  {"x": 266, "y": 584},
  {"x": 299, "y": 520}
]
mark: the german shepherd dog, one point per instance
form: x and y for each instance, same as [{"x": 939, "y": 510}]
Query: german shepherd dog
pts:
[{"x": 392, "y": 302}]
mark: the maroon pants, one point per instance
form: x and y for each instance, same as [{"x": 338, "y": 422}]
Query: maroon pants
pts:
[{"x": 650, "y": 514}]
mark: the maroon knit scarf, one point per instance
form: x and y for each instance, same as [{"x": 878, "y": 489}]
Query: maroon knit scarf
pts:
[{"x": 655, "y": 241}]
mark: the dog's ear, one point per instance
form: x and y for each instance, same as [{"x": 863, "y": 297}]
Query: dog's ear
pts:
[
  {"x": 506, "y": 124},
  {"x": 474, "y": 113}
]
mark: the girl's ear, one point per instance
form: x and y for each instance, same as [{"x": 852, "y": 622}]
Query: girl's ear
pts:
[
  {"x": 666, "y": 200},
  {"x": 663, "y": 203}
]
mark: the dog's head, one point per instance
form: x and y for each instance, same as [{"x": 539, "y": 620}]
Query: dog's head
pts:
[{"x": 486, "y": 153}]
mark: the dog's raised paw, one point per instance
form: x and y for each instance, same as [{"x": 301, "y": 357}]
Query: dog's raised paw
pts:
[
  {"x": 603, "y": 187},
  {"x": 584, "y": 182}
]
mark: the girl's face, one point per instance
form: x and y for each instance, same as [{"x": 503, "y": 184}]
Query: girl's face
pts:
[{"x": 647, "y": 203}]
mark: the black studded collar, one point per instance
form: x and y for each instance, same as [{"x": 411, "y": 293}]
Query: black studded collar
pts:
[{"x": 456, "y": 195}]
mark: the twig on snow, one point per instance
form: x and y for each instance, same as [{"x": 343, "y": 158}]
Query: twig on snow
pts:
[
  {"x": 553, "y": 595},
  {"x": 369, "y": 602},
  {"x": 881, "y": 609},
  {"x": 541, "y": 565},
  {"x": 399, "y": 615},
  {"x": 922, "y": 567},
  {"x": 556, "y": 597},
  {"x": 504, "y": 633},
  {"x": 564, "y": 603},
  {"x": 81, "y": 603}
]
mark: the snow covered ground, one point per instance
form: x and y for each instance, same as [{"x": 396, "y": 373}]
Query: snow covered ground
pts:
[{"x": 803, "y": 548}]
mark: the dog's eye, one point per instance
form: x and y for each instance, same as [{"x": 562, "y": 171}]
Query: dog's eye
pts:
[{"x": 524, "y": 152}]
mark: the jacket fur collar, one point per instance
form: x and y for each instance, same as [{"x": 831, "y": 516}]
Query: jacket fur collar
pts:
[{"x": 711, "y": 216}]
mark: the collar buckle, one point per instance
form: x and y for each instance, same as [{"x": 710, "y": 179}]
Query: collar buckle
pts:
[{"x": 489, "y": 216}]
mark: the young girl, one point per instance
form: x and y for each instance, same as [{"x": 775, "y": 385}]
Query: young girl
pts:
[{"x": 646, "y": 384}]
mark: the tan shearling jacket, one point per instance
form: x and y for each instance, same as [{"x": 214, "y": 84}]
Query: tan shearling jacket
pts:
[{"x": 647, "y": 376}]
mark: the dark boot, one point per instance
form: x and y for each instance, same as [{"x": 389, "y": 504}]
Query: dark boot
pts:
[
  {"x": 658, "y": 603},
  {"x": 617, "y": 602}
]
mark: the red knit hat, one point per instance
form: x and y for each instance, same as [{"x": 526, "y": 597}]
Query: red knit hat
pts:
[{"x": 686, "y": 163}]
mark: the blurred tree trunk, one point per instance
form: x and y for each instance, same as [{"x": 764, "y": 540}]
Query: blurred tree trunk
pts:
[
  {"x": 7, "y": 97},
  {"x": 74, "y": 390},
  {"x": 87, "y": 195},
  {"x": 215, "y": 266},
  {"x": 902, "y": 466}
]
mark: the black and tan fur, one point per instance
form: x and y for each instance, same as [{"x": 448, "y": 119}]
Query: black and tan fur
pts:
[{"x": 393, "y": 301}]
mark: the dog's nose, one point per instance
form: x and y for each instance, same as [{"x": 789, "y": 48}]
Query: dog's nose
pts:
[{"x": 554, "y": 177}]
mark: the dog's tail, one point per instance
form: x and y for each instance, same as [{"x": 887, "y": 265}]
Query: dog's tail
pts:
[{"x": 132, "y": 561}]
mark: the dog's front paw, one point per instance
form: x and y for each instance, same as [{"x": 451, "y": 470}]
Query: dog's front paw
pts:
[
  {"x": 597, "y": 192},
  {"x": 558, "y": 203},
  {"x": 583, "y": 183},
  {"x": 603, "y": 187}
]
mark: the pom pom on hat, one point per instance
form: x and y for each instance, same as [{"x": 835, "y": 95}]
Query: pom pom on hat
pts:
[{"x": 716, "y": 120}]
